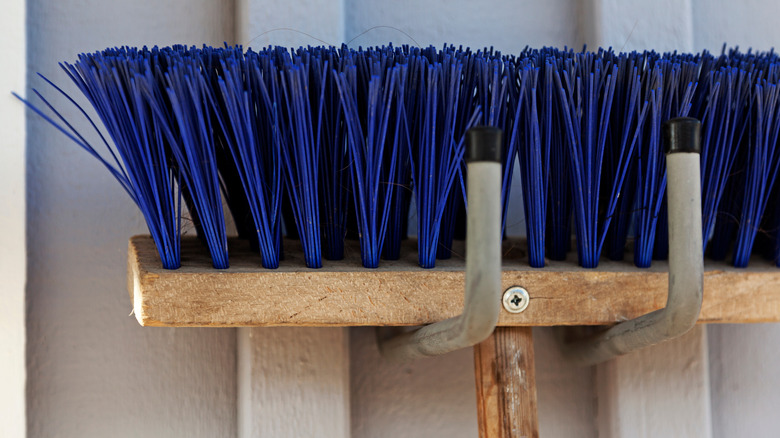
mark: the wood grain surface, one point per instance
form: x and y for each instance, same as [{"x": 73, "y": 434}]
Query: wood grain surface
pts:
[
  {"x": 343, "y": 293},
  {"x": 506, "y": 384}
]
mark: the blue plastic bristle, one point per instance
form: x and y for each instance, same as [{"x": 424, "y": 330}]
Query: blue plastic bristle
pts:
[
  {"x": 774, "y": 230},
  {"x": 511, "y": 101},
  {"x": 762, "y": 165},
  {"x": 301, "y": 114},
  {"x": 143, "y": 172},
  {"x": 248, "y": 96},
  {"x": 724, "y": 233},
  {"x": 687, "y": 84},
  {"x": 185, "y": 121},
  {"x": 398, "y": 221},
  {"x": 373, "y": 147},
  {"x": 531, "y": 137},
  {"x": 586, "y": 89},
  {"x": 233, "y": 191},
  {"x": 439, "y": 154},
  {"x": 559, "y": 206},
  {"x": 311, "y": 127},
  {"x": 484, "y": 84},
  {"x": 723, "y": 124},
  {"x": 493, "y": 91},
  {"x": 661, "y": 245},
  {"x": 668, "y": 98},
  {"x": 624, "y": 113},
  {"x": 469, "y": 95},
  {"x": 334, "y": 164}
]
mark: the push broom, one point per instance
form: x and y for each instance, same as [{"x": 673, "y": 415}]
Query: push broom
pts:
[{"x": 329, "y": 145}]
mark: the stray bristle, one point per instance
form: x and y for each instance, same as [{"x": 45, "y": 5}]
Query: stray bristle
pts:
[{"x": 326, "y": 142}]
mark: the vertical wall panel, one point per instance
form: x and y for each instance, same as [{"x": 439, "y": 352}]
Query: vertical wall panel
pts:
[
  {"x": 293, "y": 382},
  {"x": 664, "y": 25},
  {"x": 13, "y": 257},
  {"x": 433, "y": 397},
  {"x": 662, "y": 390},
  {"x": 507, "y": 25},
  {"x": 92, "y": 370},
  {"x": 260, "y": 23},
  {"x": 744, "y": 23},
  {"x": 744, "y": 360}
]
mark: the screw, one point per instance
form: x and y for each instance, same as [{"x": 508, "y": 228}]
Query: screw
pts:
[{"x": 516, "y": 299}]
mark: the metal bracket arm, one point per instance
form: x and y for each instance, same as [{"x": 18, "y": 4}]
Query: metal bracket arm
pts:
[
  {"x": 686, "y": 266},
  {"x": 483, "y": 260}
]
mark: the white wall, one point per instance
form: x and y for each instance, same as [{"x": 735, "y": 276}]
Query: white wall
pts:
[
  {"x": 93, "y": 372},
  {"x": 12, "y": 222},
  {"x": 744, "y": 23},
  {"x": 744, "y": 359},
  {"x": 743, "y": 367}
]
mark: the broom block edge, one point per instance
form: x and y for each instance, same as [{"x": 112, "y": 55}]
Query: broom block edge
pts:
[{"x": 400, "y": 293}]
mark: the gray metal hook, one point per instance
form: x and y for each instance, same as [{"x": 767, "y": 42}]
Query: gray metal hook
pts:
[
  {"x": 483, "y": 260},
  {"x": 686, "y": 265}
]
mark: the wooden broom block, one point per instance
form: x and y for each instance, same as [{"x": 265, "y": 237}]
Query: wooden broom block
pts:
[
  {"x": 506, "y": 384},
  {"x": 343, "y": 293}
]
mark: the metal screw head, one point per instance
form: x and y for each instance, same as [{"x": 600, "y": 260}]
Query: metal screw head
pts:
[{"x": 516, "y": 299}]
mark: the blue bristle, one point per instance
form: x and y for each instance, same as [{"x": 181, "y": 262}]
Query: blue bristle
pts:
[
  {"x": 372, "y": 164},
  {"x": 586, "y": 93},
  {"x": 438, "y": 155},
  {"x": 723, "y": 235},
  {"x": 668, "y": 98},
  {"x": 661, "y": 246},
  {"x": 306, "y": 129},
  {"x": 399, "y": 210},
  {"x": 559, "y": 207},
  {"x": 624, "y": 114},
  {"x": 722, "y": 128},
  {"x": 681, "y": 105},
  {"x": 493, "y": 90},
  {"x": 763, "y": 163},
  {"x": 557, "y": 233},
  {"x": 773, "y": 219},
  {"x": 511, "y": 101},
  {"x": 248, "y": 98},
  {"x": 300, "y": 145},
  {"x": 334, "y": 164},
  {"x": 111, "y": 81},
  {"x": 469, "y": 95},
  {"x": 485, "y": 85},
  {"x": 185, "y": 120},
  {"x": 535, "y": 103}
]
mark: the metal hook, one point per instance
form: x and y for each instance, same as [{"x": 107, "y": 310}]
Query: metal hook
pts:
[
  {"x": 483, "y": 260},
  {"x": 686, "y": 265}
]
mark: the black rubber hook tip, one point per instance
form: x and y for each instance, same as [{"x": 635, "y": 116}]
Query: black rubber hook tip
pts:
[
  {"x": 483, "y": 143},
  {"x": 682, "y": 134}
]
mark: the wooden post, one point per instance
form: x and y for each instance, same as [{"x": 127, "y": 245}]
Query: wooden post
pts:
[{"x": 506, "y": 384}]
